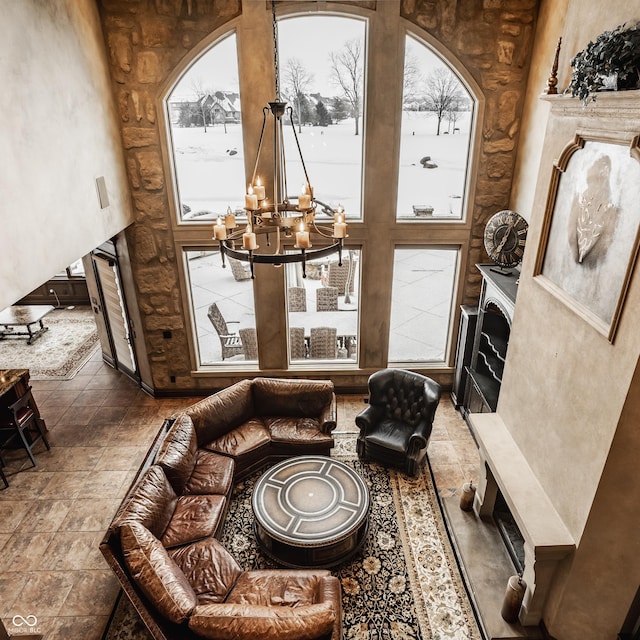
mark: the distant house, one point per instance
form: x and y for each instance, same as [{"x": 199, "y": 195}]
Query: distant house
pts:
[
  {"x": 225, "y": 107},
  {"x": 221, "y": 107}
]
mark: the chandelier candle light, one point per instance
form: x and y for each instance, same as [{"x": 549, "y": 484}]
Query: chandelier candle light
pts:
[{"x": 285, "y": 217}]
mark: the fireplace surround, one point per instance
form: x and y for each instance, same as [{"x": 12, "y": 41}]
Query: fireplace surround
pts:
[{"x": 546, "y": 539}]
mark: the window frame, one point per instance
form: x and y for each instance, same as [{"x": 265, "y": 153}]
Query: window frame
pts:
[{"x": 377, "y": 233}]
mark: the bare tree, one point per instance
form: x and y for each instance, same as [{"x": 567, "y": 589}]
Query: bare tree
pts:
[
  {"x": 412, "y": 79},
  {"x": 442, "y": 93},
  {"x": 201, "y": 92},
  {"x": 457, "y": 106},
  {"x": 347, "y": 71},
  {"x": 297, "y": 80}
]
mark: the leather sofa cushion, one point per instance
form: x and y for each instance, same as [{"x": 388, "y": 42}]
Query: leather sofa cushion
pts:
[
  {"x": 209, "y": 568},
  {"x": 278, "y": 397},
  {"x": 213, "y": 473},
  {"x": 151, "y": 503},
  {"x": 288, "y": 588},
  {"x": 219, "y": 413},
  {"x": 177, "y": 454},
  {"x": 195, "y": 517},
  {"x": 246, "y": 437},
  {"x": 189, "y": 469},
  {"x": 296, "y": 430},
  {"x": 387, "y": 434},
  {"x": 228, "y": 621},
  {"x": 157, "y": 575}
]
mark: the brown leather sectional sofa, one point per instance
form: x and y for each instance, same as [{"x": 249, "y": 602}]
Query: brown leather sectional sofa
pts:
[{"x": 162, "y": 543}]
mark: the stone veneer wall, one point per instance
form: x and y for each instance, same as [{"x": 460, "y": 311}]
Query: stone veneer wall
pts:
[{"x": 146, "y": 40}]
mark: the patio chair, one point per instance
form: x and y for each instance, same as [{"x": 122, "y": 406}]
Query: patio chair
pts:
[
  {"x": 297, "y": 297},
  {"x": 297, "y": 344},
  {"x": 323, "y": 345},
  {"x": 327, "y": 299},
  {"x": 249, "y": 339},
  {"x": 338, "y": 275},
  {"x": 230, "y": 342},
  {"x": 240, "y": 270}
]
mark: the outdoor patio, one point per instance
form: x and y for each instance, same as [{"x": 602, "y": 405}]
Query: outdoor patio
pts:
[{"x": 420, "y": 308}]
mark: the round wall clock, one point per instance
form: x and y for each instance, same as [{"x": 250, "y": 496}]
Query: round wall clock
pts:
[{"x": 504, "y": 238}]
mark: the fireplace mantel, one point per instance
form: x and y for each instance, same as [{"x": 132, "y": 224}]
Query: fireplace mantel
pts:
[{"x": 608, "y": 104}]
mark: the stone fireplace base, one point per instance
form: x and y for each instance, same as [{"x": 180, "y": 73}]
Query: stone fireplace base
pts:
[
  {"x": 486, "y": 568},
  {"x": 484, "y": 558}
]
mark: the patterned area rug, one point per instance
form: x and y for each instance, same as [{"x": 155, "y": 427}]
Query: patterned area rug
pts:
[
  {"x": 58, "y": 354},
  {"x": 403, "y": 585}
]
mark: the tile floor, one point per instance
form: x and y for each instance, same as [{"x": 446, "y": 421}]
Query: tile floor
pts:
[{"x": 53, "y": 516}]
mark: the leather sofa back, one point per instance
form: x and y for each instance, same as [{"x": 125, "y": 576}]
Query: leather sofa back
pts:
[
  {"x": 223, "y": 411},
  {"x": 151, "y": 504},
  {"x": 178, "y": 453},
  {"x": 298, "y": 398}
]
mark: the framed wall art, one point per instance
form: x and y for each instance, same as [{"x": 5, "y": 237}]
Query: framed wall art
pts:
[{"x": 591, "y": 228}]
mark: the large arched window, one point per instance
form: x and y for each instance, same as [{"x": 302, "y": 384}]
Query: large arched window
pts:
[
  {"x": 403, "y": 186},
  {"x": 324, "y": 84},
  {"x": 205, "y": 118},
  {"x": 437, "y": 120}
]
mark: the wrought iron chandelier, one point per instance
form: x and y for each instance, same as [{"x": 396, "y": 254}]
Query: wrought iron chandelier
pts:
[{"x": 285, "y": 218}]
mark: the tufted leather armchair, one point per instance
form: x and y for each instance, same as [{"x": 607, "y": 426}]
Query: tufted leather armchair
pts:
[{"x": 395, "y": 427}]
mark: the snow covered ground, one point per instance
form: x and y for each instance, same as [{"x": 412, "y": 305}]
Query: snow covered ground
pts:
[{"x": 210, "y": 166}]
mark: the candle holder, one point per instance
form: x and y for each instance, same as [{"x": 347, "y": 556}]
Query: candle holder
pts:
[
  {"x": 283, "y": 216},
  {"x": 467, "y": 496},
  {"x": 513, "y": 596}
]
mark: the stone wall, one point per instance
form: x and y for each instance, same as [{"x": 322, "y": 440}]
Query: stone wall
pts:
[{"x": 146, "y": 40}]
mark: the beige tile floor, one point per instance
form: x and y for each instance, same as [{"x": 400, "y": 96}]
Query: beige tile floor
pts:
[{"x": 53, "y": 516}]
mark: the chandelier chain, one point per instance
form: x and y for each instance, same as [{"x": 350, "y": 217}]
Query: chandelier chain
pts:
[{"x": 275, "y": 48}]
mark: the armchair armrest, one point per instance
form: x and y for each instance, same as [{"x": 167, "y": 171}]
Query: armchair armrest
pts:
[
  {"x": 420, "y": 437},
  {"x": 233, "y": 331},
  {"x": 328, "y": 416},
  {"x": 367, "y": 418}
]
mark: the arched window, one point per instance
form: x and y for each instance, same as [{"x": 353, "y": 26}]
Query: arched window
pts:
[
  {"x": 206, "y": 135},
  {"x": 394, "y": 297},
  {"x": 437, "y": 119},
  {"x": 324, "y": 84}
]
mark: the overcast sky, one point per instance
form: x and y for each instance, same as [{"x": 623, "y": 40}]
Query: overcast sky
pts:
[{"x": 310, "y": 39}]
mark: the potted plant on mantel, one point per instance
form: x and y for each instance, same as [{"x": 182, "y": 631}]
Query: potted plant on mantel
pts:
[{"x": 611, "y": 62}]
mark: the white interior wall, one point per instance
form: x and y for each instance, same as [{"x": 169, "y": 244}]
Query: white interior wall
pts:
[{"x": 59, "y": 133}]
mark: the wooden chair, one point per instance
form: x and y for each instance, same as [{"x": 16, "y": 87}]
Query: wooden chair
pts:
[
  {"x": 297, "y": 344},
  {"x": 323, "y": 344},
  {"x": 249, "y": 339},
  {"x": 240, "y": 270},
  {"x": 230, "y": 342},
  {"x": 20, "y": 422},
  {"x": 297, "y": 297},
  {"x": 338, "y": 276},
  {"x": 327, "y": 299}
]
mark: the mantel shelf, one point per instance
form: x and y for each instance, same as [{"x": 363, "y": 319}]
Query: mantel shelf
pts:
[{"x": 606, "y": 103}]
